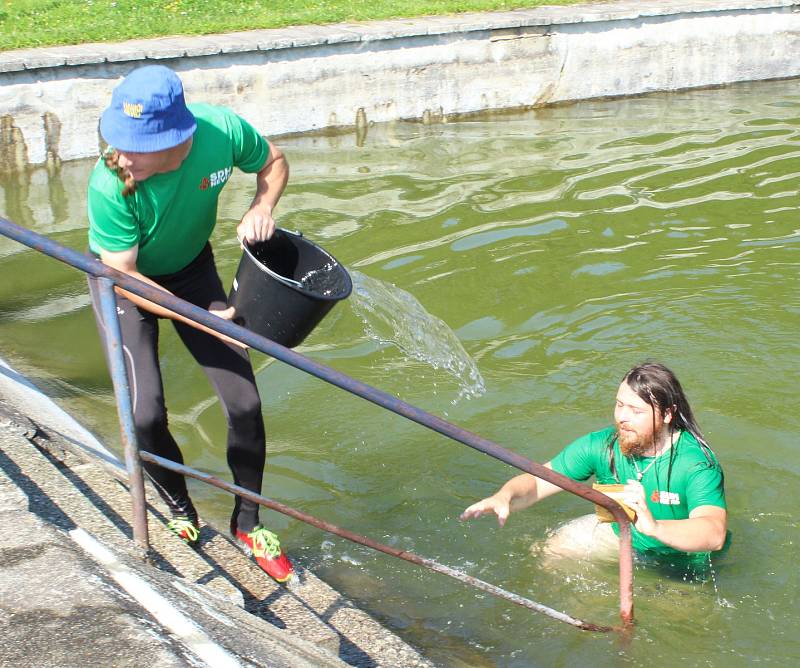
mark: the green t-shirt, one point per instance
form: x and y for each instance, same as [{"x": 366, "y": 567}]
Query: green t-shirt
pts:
[
  {"x": 171, "y": 216},
  {"x": 694, "y": 480}
]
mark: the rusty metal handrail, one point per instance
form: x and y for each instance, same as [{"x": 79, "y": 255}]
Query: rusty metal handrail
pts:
[
  {"x": 372, "y": 544},
  {"x": 111, "y": 276}
]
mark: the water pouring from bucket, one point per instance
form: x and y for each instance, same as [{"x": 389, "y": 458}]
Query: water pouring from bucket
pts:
[{"x": 285, "y": 286}]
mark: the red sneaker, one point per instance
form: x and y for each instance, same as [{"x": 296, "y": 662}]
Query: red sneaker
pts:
[{"x": 265, "y": 548}]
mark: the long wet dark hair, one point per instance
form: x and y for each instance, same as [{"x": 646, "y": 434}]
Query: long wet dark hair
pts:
[
  {"x": 658, "y": 387},
  {"x": 111, "y": 159}
]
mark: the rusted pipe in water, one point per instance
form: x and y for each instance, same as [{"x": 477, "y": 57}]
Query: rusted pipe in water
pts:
[{"x": 368, "y": 542}]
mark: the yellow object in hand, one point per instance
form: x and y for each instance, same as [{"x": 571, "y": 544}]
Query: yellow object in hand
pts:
[{"x": 616, "y": 492}]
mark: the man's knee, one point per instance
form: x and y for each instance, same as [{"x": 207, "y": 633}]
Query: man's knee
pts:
[
  {"x": 583, "y": 538},
  {"x": 150, "y": 423},
  {"x": 244, "y": 411}
]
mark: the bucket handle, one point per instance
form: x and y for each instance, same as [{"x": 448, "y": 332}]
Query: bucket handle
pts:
[{"x": 284, "y": 279}]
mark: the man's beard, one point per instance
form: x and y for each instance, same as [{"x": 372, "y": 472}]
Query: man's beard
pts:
[{"x": 632, "y": 444}]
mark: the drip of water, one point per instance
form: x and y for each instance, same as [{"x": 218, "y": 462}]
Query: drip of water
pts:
[
  {"x": 721, "y": 600},
  {"x": 392, "y": 315}
]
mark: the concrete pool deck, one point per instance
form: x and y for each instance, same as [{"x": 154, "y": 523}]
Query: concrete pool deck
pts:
[
  {"x": 340, "y": 76},
  {"x": 76, "y": 592}
]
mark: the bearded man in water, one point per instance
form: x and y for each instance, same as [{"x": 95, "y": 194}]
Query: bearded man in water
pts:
[{"x": 672, "y": 479}]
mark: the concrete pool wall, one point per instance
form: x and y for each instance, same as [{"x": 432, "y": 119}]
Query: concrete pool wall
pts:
[{"x": 348, "y": 75}]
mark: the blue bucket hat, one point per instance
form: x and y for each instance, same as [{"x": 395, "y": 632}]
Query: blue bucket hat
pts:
[{"x": 147, "y": 112}]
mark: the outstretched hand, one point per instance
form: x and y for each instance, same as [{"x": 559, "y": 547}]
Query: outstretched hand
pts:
[{"x": 492, "y": 504}]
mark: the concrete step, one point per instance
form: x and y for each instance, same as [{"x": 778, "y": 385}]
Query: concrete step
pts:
[
  {"x": 216, "y": 563},
  {"x": 167, "y": 551},
  {"x": 360, "y": 640},
  {"x": 67, "y": 492},
  {"x": 70, "y": 600},
  {"x": 85, "y": 496}
]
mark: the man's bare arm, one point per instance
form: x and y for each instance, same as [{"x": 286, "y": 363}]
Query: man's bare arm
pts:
[{"x": 520, "y": 492}]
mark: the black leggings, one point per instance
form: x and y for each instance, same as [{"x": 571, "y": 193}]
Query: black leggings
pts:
[{"x": 227, "y": 367}]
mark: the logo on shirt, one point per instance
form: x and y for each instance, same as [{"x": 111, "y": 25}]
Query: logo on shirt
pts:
[
  {"x": 666, "y": 498},
  {"x": 215, "y": 179}
]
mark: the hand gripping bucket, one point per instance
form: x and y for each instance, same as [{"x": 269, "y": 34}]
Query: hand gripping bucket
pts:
[{"x": 285, "y": 286}]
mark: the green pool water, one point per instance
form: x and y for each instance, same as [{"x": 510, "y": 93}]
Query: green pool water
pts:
[{"x": 508, "y": 271}]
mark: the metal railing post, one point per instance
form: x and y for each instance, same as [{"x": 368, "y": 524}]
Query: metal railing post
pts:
[
  {"x": 625, "y": 574},
  {"x": 119, "y": 377}
]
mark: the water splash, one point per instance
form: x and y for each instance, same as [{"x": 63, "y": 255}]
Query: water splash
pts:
[{"x": 391, "y": 315}]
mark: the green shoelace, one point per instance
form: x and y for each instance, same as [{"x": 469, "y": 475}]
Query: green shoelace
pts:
[
  {"x": 184, "y": 528},
  {"x": 264, "y": 543}
]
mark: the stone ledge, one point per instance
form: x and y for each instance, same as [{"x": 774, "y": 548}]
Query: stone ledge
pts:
[{"x": 307, "y": 36}]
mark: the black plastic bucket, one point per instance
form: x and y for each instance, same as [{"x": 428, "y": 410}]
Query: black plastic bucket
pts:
[{"x": 285, "y": 286}]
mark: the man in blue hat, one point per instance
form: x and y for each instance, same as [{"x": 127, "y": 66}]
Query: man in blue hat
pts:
[{"x": 152, "y": 207}]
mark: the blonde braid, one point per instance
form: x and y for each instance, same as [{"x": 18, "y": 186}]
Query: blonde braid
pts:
[{"x": 111, "y": 159}]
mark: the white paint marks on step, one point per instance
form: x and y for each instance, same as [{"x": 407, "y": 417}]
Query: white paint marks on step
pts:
[{"x": 167, "y": 614}]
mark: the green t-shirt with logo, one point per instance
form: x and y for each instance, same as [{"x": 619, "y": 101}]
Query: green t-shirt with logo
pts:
[
  {"x": 678, "y": 481},
  {"x": 171, "y": 216}
]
